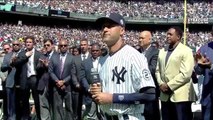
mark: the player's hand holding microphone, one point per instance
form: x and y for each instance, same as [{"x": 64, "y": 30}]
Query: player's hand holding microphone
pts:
[
  {"x": 95, "y": 87},
  {"x": 96, "y": 90}
]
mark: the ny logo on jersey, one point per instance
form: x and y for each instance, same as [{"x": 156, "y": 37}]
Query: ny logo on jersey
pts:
[{"x": 118, "y": 75}]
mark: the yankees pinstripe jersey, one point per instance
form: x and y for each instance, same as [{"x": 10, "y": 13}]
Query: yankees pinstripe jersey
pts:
[{"x": 124, "y": 72}]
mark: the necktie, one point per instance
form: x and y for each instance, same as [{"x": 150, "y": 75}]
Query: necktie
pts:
[
  {"x": 47, "y": 55},
  {"x": 84, "y": 57},
  {"x": 61, "y": 66}
]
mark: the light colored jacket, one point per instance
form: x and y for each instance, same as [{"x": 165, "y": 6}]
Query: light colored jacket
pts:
[{"x": 176, "y": 74}]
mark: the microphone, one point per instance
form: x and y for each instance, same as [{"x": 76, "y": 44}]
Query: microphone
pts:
[{"x": 94, "y": 76}]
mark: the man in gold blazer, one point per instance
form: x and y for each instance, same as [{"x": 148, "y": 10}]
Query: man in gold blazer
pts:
[{"x": 173, "y": 73}]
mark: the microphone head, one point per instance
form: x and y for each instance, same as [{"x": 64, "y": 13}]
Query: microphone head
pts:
[{"x": 95, "y": 76}]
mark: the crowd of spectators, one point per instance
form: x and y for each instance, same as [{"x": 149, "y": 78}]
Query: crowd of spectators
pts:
[
  {"x": 134, "y": 9},
  {"x": 9, "y": 32}
]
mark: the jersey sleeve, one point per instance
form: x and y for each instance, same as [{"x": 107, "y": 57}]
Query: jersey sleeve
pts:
[{"x": 140, "y": 73}]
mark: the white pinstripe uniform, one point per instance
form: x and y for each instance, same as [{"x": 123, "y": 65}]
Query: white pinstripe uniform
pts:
[{"x": 136, "y": 76}]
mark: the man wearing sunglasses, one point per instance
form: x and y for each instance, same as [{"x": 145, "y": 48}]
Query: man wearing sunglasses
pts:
[
  {"x": 60, "y": 73},
  {"x": 7, "y": 48},
  {"x": 44, "y": 84},
  {"x": 10, "y": 80}
]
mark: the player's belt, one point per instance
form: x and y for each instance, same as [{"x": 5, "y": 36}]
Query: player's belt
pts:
[{"x": 115, "y": 117}]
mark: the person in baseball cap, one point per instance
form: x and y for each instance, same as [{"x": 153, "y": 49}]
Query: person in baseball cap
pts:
[
  {"x": 113, "y": 96},
  {"x": 113, "y": 17},
  {"x": 112, "y": 28}
]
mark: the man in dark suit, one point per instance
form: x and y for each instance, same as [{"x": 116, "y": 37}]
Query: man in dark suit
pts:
[
  {"x": 28, "y": 74},
  {"x": 84, "y": 49},
  {"x": 44, "y": 86},
  {"x": 151, "y": 111},
  {"x": 10, "y": 83},
  {"x": 88, "y": 69},
  {"x": 77, "y": 93},
  {"x": 60, "y": 72}
]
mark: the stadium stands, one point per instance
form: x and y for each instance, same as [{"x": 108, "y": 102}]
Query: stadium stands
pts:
[
  {"x": 9, "y": 32},
  {"x": 135, "y": 9}
]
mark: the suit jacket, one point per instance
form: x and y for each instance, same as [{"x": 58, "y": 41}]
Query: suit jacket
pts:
[
  {"x": 54, "y": 70},
  {"x": 76, "y": 70},
  {"x": 176, "y": 74},
  {"x": 21, "y": 68},
  {"x": 6, "y": 67},
  {"x": 86, "y": 78},
  {"x": 45, "y": 78},
  {"x": 152, "y": 57}
]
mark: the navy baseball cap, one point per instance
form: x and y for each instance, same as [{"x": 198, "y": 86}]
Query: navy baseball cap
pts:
[{"x": 115, "y": 17}]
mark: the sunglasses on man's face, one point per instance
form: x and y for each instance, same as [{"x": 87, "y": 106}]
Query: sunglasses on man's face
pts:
[
  {"x": 63, "y": 45},
  {"x": 6, "y": 49},
  {"x": 15, "y": 44},
  {"x": 47, "y": 45}
]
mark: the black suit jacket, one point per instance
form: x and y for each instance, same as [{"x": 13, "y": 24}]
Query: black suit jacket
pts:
[
  {"x": 76, "y": 70},
  {"x": 54, "y": 70},
  {"x": 85, "y": 74},
  {"x": 152, "y": 57},
  {"x": 86, "y": 77},
  {"x": 21, "y": 68},
  {"x": 45, "y": 78}
]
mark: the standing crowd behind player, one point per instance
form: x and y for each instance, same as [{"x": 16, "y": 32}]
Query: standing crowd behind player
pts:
[{"x": 117, "y": 82}]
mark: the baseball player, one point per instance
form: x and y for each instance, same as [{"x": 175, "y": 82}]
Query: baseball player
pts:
[{"x": 126, "y": 82}]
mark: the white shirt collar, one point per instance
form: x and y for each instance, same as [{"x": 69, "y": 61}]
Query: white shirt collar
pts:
[
  {"x": 51, "y": 53},
  {"x": 86, "y": 54}
]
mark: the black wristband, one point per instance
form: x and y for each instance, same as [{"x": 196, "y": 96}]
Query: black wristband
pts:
[{"x": 146, "y": 94}]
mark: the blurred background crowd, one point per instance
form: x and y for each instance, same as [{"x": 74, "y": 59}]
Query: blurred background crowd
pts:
[
  {"x": 131, "y": 9},
  {"x": 10, "y": 32},
  {"x": 134, "y": 9}
]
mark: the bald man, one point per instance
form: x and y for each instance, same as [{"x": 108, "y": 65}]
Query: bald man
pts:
[
  {"x": 60, "y": 72},
  {"x": 151, "y": 111}
]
